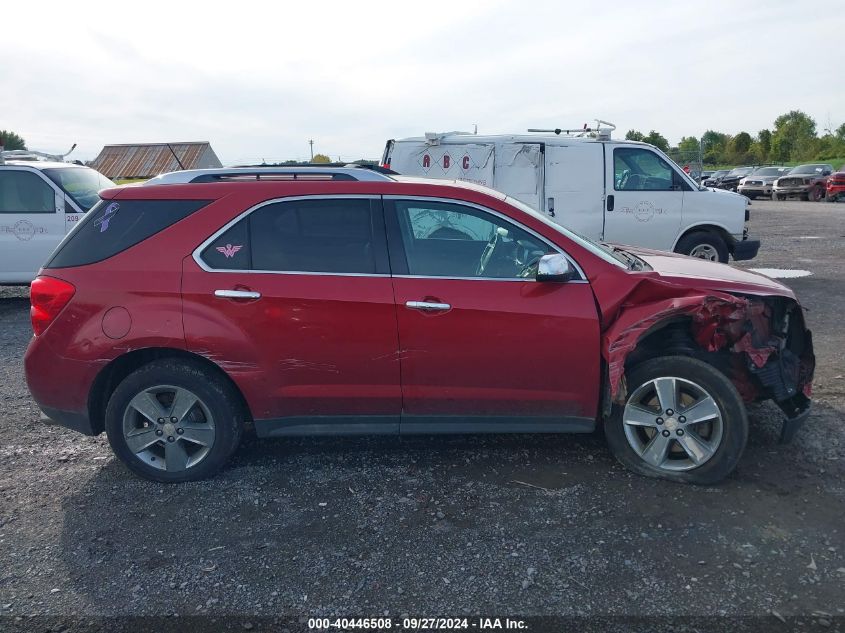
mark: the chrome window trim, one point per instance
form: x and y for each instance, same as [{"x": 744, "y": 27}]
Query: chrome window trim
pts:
[
  {"x": 196, "y": 254},
  {"x": 510, "y": 220}
]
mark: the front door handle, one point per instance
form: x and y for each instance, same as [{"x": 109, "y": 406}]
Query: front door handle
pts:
[
  {"x": 237, "y": 294},
  {"x": 428, "y": 306}
]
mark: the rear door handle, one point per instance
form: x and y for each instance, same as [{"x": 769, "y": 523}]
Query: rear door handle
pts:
[
  {"x": 237, "y": 294},
  {"x": 610, "y": 201},
  {"x": 428, "y": 306}
]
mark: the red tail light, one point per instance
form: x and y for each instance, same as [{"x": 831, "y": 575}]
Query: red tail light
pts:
[{"x": 48, "y": 297}]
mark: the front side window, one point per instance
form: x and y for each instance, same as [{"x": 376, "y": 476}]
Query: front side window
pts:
[
  {"x": 638, "y": 169},
  {"x": 450, "y": 240},
  {"x": 320, "y": 236},
  {"x": 25, "y": 192}
]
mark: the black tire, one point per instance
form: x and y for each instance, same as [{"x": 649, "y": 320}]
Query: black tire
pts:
[
  {"x": 719, "y": 387},
  {"x": 213, "y": 393},
  {"x": 778, "y": 196},
  {"x": 690, "y": 242},
  {"x": 816, "y": 194}
]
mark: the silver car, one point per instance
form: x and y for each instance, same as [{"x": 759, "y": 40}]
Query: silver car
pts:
[{"x": 760, "y": 181}]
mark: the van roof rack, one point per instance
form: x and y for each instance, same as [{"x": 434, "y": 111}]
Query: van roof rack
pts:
[
  {"x": 304, "y": 173},
  {"x": 598, "y": 131},
  {"x": 30, "y": 154}
]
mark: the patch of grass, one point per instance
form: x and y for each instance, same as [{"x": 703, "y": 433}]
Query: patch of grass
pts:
[{"x": 129, "y": 181}]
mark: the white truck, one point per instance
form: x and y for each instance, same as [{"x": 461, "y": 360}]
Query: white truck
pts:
[
  {"x": 622, "y": 192},
  {"x": 40, "y": 201}
]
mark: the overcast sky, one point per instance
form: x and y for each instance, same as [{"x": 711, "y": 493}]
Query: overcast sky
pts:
[{"x": 258, "y": 80}]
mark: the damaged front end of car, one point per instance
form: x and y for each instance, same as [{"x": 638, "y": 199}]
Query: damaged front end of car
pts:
[{"x": 760, "y": 342}]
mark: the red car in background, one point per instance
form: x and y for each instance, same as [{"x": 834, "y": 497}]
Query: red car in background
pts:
[
  {"x": 836, "y": 185},
  {"x": 351, "y": 301}
]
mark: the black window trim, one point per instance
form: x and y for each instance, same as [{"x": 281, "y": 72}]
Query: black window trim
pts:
[
  {"x": 396, "y": 247},
  {"x": 378, "y": 226}
]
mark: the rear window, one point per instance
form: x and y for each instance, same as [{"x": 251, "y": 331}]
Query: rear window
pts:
[{"x": 112, "y": 226}]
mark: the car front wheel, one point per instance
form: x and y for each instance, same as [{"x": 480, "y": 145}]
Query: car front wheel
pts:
[
  {"x": 682, "y": 420},
  {"x": 173, "y": 421},
  {"x": 703, "y": 245}
]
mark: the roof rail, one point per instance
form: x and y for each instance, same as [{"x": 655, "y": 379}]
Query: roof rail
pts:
[
  {"x": 598, "y": 131},
  {"x": 230, "y": 174},
  {"x": 296, "y": 165}
]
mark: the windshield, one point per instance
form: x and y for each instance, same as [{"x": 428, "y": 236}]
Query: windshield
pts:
[
  {"x": 80, "y": 183},
  {"x": 720, "y": 173},
  {"x": 808, "y": 169},
  {"x": 770, "y": 171},
  {"x": 601, "y": 250}
]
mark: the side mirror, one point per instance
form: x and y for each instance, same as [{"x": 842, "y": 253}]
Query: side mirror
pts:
[{"x": 554, "y": 267}]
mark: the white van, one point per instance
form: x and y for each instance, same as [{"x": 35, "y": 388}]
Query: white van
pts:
[
  {"x": 611, "y": 191},
  {"x": 40, "y": 201}
]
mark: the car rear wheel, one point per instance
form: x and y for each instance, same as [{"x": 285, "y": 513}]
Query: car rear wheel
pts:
[
  {"x": 173, "y": 421},
  {"x": 703, "y": 245},
  {"x": 683, "y": 420}
]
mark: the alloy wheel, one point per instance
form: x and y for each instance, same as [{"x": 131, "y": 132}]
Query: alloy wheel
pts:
[
  {"x": 673, "y": 424},
  {"x": 168, "y": 428}
]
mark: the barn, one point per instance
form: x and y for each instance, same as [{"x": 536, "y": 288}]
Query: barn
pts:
[{"x": 146, "y": 160}]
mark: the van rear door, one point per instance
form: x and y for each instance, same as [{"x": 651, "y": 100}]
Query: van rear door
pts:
[{"x": 574, "y": 187}]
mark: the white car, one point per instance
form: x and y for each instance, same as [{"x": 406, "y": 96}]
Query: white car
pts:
[
  {"x": 40, "y": 201},
  {"x": 607, "y": 190}
]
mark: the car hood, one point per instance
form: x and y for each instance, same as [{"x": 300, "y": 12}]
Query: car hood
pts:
[{"x": 699, "y": 273}]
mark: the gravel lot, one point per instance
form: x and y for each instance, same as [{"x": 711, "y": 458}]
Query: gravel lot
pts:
[{"x": 501, "y": 525}]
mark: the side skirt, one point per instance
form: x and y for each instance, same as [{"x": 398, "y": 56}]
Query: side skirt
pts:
[{"x": 418, "y": 425}]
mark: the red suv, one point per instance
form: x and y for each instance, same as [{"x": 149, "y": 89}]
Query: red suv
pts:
[{"x": 349, "y": 301}]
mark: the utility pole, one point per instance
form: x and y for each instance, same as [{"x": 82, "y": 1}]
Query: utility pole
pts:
[{"x": 311, "y": 143}]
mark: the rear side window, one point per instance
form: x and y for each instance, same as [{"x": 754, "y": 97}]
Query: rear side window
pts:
[
  {"x": 328, "y": 236},
  {"x": 112, "y": 226}
]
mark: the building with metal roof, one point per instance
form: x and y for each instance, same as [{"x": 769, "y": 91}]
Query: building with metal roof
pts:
[{"x": 151, "y": 159}]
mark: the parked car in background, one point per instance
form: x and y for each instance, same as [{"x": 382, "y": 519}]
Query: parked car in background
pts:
[
  {"x": 349, "y": 301},
  {"x": 40, "y": 201},
  {"x": 730, "y": 181},
  {"x": 760, "y": 181},
  {"x": 713, "y": 179},
  {"x": 606, "y": 189},
  {"x": 704, "y": 175},
  {"x": 807, "y": 182},
  {"x": 836, "y": 185}
]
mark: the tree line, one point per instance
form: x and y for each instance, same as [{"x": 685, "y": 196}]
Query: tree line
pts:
[{"x": 794, "y": 138}]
